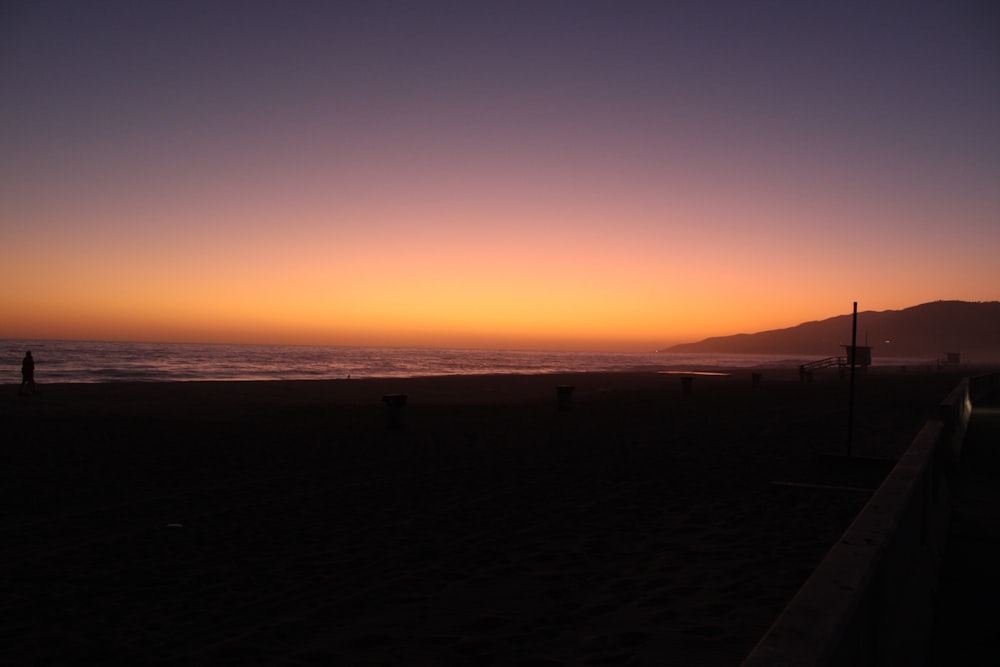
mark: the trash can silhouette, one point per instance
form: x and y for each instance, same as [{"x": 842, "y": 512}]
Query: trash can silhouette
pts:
[{"x": 397, "y": 410}]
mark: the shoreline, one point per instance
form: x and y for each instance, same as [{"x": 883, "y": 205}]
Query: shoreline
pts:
[
  {"x": 118, "y": 362},
  {"x": 284, "y": 522}
]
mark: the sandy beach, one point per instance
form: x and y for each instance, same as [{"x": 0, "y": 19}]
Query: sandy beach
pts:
[{"x": 284, "y": 523}]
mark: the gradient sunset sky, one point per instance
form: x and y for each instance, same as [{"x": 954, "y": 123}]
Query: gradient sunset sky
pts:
[{"x": 593, "y": 175}]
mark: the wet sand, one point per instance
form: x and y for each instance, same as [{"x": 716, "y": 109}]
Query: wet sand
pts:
[{"x": 283, "y": 523}]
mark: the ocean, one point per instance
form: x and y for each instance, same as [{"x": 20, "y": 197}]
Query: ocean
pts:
[{"x": 88, "y": 361}]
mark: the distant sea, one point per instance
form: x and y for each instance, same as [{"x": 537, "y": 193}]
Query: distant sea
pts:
[{"x": 87, "y": 361}]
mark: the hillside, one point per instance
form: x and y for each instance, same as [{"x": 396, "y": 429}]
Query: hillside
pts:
[{"x": 926, "y": 331}]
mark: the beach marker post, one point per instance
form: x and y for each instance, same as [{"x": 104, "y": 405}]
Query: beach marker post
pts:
[
  {"x": 564, "y": 397},
  {"x": 687, "y": 384},
  {"x": 854, "y": 358},
  {"x": 397, "y": 410},
  {"x": 755, "y": 379}
]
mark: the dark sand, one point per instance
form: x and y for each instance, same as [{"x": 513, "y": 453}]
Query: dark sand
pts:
[{"x": 283, "y": 523}]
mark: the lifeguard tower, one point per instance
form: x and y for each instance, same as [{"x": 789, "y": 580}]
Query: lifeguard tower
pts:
[{"x": 864, "y": 356}]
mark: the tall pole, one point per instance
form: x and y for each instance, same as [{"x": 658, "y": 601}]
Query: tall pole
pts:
[{"x": 854, "y": 360}]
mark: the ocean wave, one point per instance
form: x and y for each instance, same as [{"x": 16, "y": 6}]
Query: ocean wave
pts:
[{"x": 87, "y": 361}]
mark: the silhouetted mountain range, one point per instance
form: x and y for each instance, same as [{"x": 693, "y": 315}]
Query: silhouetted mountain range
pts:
[{"x": 929, "y": 330}]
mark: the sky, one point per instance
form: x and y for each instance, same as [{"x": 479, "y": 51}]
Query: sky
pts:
[{"x": 615, "y": 175}]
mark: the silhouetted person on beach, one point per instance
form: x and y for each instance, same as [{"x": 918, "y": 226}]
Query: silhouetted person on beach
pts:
[{"x": 27, "y": 374}]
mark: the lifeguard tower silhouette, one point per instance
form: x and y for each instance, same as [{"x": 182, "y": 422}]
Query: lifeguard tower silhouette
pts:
[
  {"x": 864, "y": 356},
  {"x": 863, "y": 360}
]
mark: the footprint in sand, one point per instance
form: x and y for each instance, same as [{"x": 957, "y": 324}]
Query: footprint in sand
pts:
[
  {"x": 317, "y": 657},
  {"x": 619, "y": 641},
  {"x": 706, "y": 631},
  {"x": 631, "y": 639},
  {"x": 598, "y": 609},
  {"x": 742, "y": 591},
  {"x": 736, "y": 570},
  {"x": 540, "y": 662},
  {"x": 619, "y": 658},
  {"x": 720, "y": 608},
  {"x": 666, "y": 616},
  {"x": 368, "y": 641},
  {"x": 473, "y": 647},
  {"x": 488, "y": 624},
  {"x": 660, "y": 600}
]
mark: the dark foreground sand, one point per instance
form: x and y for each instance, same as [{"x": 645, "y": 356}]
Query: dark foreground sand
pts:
[{"x": 283, "y": 523}]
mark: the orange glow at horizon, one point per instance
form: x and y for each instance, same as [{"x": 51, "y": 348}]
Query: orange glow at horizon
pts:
[
  {"x": 574, "y": 287},
  {"x": 455, "y": 277}
]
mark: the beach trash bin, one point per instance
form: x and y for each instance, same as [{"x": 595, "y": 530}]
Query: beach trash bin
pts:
[
  {"x": 687, "y": 384},
  {"x": 755, "y": 379},
  {"x": 564, "y": 397},
  {"x": 397, "y": 410}
]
